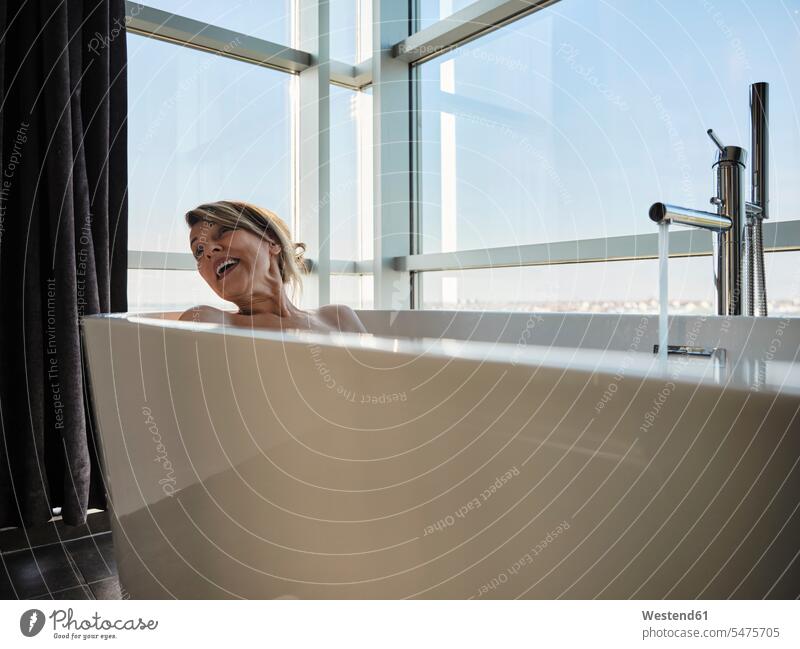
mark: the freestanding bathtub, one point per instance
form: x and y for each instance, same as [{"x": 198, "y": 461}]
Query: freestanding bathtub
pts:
[{"x": 451, "y": 455}]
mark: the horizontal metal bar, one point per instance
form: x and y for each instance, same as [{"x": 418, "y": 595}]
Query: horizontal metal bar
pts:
[
  {"x": 364, "y": 267},
  {"x": 162, "y": 25},
  {"x": 355, "y": 77},
  {"x": 474, "y": 20},
  {"x": 339, "y": 267},
  {"x": 363, "y": 73},
  {"x": 155, "y": 260},
  {"x": 187, "y": 32},
  {"x": 682, "y": 243},
  {"x": 343, "y": 74},
  {"x": 779, "y": 236}
]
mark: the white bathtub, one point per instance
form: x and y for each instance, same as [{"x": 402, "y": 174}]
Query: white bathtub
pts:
[{"x": 451, "y": 455}]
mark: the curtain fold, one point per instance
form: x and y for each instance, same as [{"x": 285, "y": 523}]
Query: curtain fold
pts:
[{"x": 63, "y": 242}]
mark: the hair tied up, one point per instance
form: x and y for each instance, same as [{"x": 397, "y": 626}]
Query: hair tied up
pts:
[{"x": 299, "y": 255}]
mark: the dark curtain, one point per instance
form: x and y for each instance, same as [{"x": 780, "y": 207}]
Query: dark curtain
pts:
[{"x": 63, "y": 242}]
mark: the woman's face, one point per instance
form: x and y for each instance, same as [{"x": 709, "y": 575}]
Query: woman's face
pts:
[{"x": 234, "y": 263}]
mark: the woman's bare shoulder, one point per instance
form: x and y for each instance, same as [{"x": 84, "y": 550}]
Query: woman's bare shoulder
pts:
[
  {"x": 342, "y": 317},
  {"x": 205, "y": 313}
]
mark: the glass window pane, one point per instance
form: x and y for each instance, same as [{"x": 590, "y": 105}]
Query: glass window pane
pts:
[
  {"x": 353, "y": 290},
  {"x": 271, "y": 20},
  {"x": 169, "y": 290},
  {"x": 202, "y": 128},
  {"x": 343, "y": 30},
  {"x": 178, "y": 290},
  {"x": 782, "y": 270},
  {"x": 351, "y": 174},
  {"x": 429, "y": 11},
  {"x": 569, "y": 123},
  {"x": 602, "y": 287}
]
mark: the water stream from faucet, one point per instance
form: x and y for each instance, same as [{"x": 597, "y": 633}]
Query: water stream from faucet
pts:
[{"x": 663, "y": 289}]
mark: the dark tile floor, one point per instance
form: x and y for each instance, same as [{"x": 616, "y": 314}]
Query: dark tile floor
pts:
[{"x": 72, "y": 568}]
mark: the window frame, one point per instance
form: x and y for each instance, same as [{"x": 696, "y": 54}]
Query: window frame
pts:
[{"x": 397, "y": 50}]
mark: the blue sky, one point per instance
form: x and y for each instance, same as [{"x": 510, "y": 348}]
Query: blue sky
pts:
[{"x": 572, "y": 121}]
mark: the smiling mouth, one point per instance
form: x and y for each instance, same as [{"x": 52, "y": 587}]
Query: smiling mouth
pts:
[{"x": 225, "y": 267}]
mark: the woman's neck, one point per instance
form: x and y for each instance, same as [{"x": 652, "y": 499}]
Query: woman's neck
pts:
[{"x": 270, "y": 303}]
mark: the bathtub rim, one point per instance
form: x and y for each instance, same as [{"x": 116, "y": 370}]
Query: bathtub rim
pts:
[{"x": 602, "y": 364}]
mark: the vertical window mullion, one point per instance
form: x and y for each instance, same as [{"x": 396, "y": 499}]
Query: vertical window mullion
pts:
[
  {"x": 392, "y": 154},
  {"x": 314, "y": 147}
]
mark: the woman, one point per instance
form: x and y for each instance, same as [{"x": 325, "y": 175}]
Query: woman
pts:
[{"x": 246, "y": 255}]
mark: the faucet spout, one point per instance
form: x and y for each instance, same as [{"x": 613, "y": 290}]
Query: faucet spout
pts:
[{"x": 660, "y": 212}]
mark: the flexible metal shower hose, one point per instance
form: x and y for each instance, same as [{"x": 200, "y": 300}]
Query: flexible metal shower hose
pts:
[
  {"x": 758, "y": 259},
  {"x": 748, "y": 270}
]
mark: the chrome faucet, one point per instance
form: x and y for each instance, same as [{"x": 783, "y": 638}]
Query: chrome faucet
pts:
[{"x": 738, "y": 250}]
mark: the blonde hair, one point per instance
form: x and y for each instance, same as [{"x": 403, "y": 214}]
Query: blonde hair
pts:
[{"x": 264, "y": 223}]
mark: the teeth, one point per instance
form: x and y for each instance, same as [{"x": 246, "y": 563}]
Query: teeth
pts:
[{"x": 224, "y": 265}]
